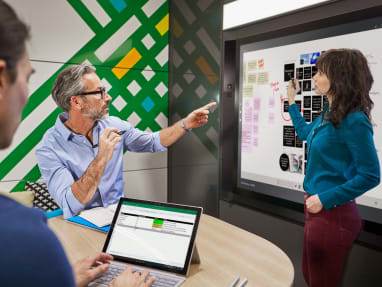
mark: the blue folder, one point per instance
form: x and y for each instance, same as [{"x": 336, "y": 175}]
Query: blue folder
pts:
[
  {"x": 84, "y": 222},
  {"x": 54, "y": 213}
]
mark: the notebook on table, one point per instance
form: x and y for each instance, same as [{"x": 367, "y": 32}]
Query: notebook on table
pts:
[
  {"x": 98, "y": 218},
  {"x": 83, "y": 222},
  {"x": 151, "y": 235}
]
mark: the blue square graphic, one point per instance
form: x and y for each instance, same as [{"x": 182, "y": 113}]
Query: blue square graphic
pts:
[
  {"x": 119, "y": 5},
  {"x": 148, "y": 104}
]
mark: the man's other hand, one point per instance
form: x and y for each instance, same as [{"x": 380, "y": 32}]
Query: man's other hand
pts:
[
  {"x": 128, "y": 278},
  {"x": 198, "y": 117},
  {"x": 88, "y": 268}
]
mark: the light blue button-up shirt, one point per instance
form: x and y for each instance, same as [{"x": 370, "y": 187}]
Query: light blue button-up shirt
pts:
[{"x": 64, "y": 156}]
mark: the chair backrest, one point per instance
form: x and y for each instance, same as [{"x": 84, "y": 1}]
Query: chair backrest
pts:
[{"x": 42, "y": 198}]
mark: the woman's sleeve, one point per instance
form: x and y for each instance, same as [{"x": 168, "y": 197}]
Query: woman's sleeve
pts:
[
  {"x": 360, "y": 142},
  {"x": 299, "y": 123}
]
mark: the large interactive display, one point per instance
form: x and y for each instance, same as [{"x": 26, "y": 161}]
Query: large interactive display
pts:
[{"x": 272, "y": 159}]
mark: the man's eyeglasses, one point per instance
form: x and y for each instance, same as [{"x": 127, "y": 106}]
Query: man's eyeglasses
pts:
[{"x": 102, "y": 92}]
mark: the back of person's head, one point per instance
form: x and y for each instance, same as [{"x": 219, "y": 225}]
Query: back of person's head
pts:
[
  {"x": 15, "y": 70},
  {"x": 350, "y": 82},
  {"x": 13, "y": 36},
  {"x": 69, "y": 83}
]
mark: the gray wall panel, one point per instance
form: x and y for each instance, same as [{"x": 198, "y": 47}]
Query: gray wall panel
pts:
[{"x": 194, "y": 81}]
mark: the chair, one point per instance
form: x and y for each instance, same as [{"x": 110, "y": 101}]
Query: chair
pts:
[{"x": 42, "y": 198}]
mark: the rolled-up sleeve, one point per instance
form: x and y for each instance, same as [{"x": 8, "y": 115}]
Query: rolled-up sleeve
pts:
[
  {"x": 59, "y": 181},
  {"x": 157, "y": 143},
  {"x": 140, "y": 141}
]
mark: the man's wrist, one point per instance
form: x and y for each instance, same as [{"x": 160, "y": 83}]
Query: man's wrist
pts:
[
  {"x": 99, "y": 162},
  {"x": 183, "y": 126}
]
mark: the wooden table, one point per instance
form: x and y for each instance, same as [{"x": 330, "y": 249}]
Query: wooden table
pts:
[{"x": 225, "y": 251}]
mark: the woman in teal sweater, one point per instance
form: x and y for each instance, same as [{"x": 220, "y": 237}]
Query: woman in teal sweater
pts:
[{"x": 342, "y": 162}]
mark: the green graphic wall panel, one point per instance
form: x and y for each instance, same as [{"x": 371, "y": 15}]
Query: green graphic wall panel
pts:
[{"x": 129, "y": 49}]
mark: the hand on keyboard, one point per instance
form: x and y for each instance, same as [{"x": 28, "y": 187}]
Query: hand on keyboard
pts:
[
  {"x": 88, "y": 268},
  {"x": 128, "y": 278}
]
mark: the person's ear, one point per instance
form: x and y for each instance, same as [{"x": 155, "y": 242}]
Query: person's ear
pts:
[
  {"x": 3, "y": 73},
  {"x": 75, "y": 103},
  {"x": 4, "y": 78}
]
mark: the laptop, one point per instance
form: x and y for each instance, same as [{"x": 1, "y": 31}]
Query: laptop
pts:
[{"x": 151, "y": 235}]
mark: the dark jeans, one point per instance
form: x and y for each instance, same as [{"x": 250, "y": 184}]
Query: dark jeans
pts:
[{"x": 328, "y": 237}]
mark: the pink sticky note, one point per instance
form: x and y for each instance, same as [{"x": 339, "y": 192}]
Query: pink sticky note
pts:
[
  {"x": 256, "y": 103},
  {"x": 255, "y": 117},
  {"x": 271, "y": 102},
  {"x": 271, "y": 118}
]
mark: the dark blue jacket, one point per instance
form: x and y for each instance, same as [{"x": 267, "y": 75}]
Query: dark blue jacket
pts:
[{"x": 30, "y": 253}]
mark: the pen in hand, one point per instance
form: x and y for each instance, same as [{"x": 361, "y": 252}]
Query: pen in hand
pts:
[
  {"x": 118, "y": 133},
  {"x": 293, "y": 83}
]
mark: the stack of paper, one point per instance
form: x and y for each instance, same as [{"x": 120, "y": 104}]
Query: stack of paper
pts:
[{"x": 99, "y": 216}]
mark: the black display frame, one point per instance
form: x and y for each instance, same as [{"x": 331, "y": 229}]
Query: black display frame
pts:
[{"x": 278, "y": 206}]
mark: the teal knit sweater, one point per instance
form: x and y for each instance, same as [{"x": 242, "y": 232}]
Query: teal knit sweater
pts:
[{"x": 342, "y": 162}]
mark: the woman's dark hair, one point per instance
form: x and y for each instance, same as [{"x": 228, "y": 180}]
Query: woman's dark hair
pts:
[
  {"x": 350, "y": 82},
  {"x": 13, "y": 35}
]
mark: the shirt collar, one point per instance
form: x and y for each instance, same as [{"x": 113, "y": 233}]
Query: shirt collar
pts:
[{"x": 63, "y": 129}]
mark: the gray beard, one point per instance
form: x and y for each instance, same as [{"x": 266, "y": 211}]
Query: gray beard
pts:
[{"x": 96, "y": 115}]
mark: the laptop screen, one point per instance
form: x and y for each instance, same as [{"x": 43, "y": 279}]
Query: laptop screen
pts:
[{"x": 153, "y": 234}]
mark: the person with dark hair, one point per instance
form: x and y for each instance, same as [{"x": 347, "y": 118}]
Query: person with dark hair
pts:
[
  {"x": 13, "y": 60},
  {"x": 342, "y": 162},
  {"x": 31, "y": 254}
]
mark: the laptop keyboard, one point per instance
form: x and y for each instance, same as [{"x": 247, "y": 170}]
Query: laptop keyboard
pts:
[{"x": 161, "y": 280}]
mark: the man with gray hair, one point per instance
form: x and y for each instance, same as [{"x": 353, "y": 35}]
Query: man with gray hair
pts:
[{"x": 80, "y": 158}]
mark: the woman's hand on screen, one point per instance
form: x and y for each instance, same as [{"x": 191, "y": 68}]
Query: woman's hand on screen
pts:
[{"x": 292, "y": 90}]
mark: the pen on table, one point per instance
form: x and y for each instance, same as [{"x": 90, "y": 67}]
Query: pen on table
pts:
[
  {"x": 235, "y": 281},
  {"x": 242, "y": 284}
]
